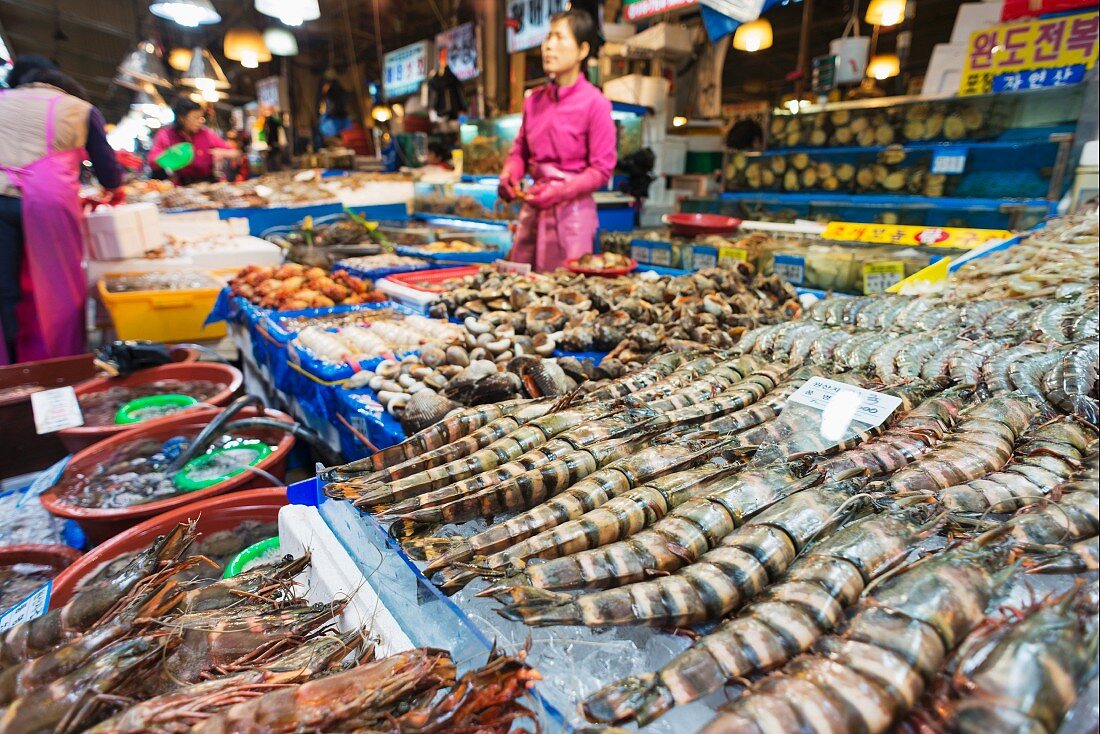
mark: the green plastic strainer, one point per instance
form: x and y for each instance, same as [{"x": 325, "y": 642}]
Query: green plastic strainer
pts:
[
  {"x": 152, "y": 406},
  {"x": 220, "y": 464}
]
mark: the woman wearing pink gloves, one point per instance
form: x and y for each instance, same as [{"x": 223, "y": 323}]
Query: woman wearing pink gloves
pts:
[{"x": 567, "y": 144}]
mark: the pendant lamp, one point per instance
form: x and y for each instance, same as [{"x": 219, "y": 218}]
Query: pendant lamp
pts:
[
  {"x": 290, "y": 12},
  {"x": 885, "y": 13},
  {"x": 180, "y": 59},
  {"x": 753, "y": 36},
  {"x": 144, "y": 65},
  {"x": 247, "y": 46},
  {"x": 148, "y": 102},
  {"x": 884, "y": 66},
  {"x": 281, "y": 42},
  {"x": 188, "y": 13},
  {"x": 204, "y": 72}
]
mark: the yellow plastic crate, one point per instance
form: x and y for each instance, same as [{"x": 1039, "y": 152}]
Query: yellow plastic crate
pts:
[{"x": 162, "y": 315}]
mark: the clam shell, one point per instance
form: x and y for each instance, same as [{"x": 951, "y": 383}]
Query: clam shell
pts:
[
  {"x": 544, "y": 379},
  {"x": 387, "y": 368},
  {"x": 458, "y": 356},
  {"x": 425, "y": 409},
  {"x": 494, "y": 388},
  {"x": 432, "y": 356}
]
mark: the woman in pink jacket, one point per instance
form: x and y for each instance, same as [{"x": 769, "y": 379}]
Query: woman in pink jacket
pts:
[{"x": 567, "y": 144}]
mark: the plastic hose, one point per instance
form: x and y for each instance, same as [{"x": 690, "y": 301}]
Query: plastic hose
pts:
[
  {"x": 315, "y": 442},
  {"x": 213, "y": 429}
]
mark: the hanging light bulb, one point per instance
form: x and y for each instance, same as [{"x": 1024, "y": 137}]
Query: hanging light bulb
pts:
[
  {"x": 180, "y": 59},
  {"x": 290, "y": 12},
  {"x": 753, "y": 36},
  {"x": 381, "y": 113},
  {"x": 144, "y": 65},
  {"x": 679, "y": 121},
  {"x": 204, "y": 72},
  {"x": 885, "y": 13},
  {"x": 884, "y": 66},
  {"x": 148, "y": 102},
  {"x": 188, "y": 13},
  {"x": 281, "y": 42},
  {"x": 247, "y": 46}
]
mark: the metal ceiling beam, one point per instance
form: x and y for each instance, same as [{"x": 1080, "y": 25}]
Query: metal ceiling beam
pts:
[{"x": 80, "y": 20}]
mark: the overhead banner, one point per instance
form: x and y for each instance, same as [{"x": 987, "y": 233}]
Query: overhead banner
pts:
[
  {"x": 461, "y": 45},
  {"x": 528, "y": 22},
  {"x": 404, "y": 70},
  {"x": 739, "y": 10},
  {"x": 634, "y": 10},
  {"x": 1030, "y": 54}
]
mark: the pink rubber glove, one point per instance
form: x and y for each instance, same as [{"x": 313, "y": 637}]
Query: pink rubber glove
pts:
[
  {"x": 546, "y": 194},
  {"x": 551, "y": 193}
]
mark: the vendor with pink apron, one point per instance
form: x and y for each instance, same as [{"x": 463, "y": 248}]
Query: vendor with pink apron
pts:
[
  {"x": 48, "y": 131},
  {"x": 567, "y": 144}
]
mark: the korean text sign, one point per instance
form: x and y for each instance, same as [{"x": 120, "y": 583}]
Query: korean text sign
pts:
[
  {"x": 1030, "y": 54},
  {"x": 405, "y": 69}
]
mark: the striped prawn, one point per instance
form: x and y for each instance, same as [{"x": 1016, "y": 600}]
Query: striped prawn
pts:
[
  {"x": 1069, "y": 385},
  {"x": 807, "y": 603},
  {"x": 706, "y": 387},
  {"x": 719, "y": 581},
  {"x": 687, "y": 532},
  {"x": 981, "y": 443},
  {"x": 454, "y": 426},
  {"x": 1045, "y": 457},
  {"x": 525, "y": 490},
  {"x": 615, "y": 480},
  {"x": 657, "y": 369},
  {"x": 585, "y": 434},
  {"x": 765, "y": 409},
  {"x": 871, "y": 674}
]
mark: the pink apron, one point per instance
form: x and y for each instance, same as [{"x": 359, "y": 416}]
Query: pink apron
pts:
[
  {"x": 51, "y": 312},
  {"x": 548, "y": 238}
]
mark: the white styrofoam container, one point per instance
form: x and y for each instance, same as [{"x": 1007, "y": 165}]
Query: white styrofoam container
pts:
[
  {"x": 648, "y": 91},
  {"x": 975, "y": 17},
  {"x": 666, "y": 39},
  {"x": 944, "y": 69},
  {"x": 618, "y": 32},
  {"x": 671, "y": 156},
  {"x": 120, "y": 232},
  {"x": 704, "y": 143},
  {"x": 332, "y": 574},
  {"x": 417, "y": 300}
]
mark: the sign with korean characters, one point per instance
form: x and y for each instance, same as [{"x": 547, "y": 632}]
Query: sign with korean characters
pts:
[
  {"x": 461, "y": 45},
  {"x": 1030, "y": 54},
  {"x": 634, "y": 10},
  {"x": 528, "y": 22},
  {"x": 880, "y": 275},
  {"x": 870, "y": 407},
  {"x": 404, "y": 70},
  {"x": 958, "y": 238}
]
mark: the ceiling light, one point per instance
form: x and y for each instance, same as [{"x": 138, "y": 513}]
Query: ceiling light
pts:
[
  {"x": 885, "y": 12},
  {"x": 144, "y": 65},
  {"x": 180, "y": 59},
  {"x": 382, "y": 113},
  {"x": 247, "y": 46},
  {"x": 753, "y": 36},
  {"x": 679, "y": 121},
  {"x": 148, "y": 102},
  {"x": 188, "y": 13},
  {"x": 204, "y": 72},
  {"x": 281, "y": 42},
  {"x": 884, "y": 66},
  {"x": 290, "y": 12}
]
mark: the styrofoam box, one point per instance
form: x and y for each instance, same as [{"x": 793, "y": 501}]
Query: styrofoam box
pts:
[
  {"x": 975, "y": 17},
  {"x": 419, "y": 301},
  {"x": 120, "y": 232},
  {"x": 665, "y": 38},
  {"x": 648, "y": 91},
  {"x": 671, "y": 155},
  {"x": 618, "y": 32},
  {"x": 332, "y": 574},
  {"x": 704, "y": 143},
  {"x": 944, "y": 69}
]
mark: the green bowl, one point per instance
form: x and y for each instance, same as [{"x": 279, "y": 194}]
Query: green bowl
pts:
[
  {"x": 131, "y": 412},
  {"x": 180, "y": 155},
  {"x": 186, "y": 480},
  {"x": 239, "y": 562}
]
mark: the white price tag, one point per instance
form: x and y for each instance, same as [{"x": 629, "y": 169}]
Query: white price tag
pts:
[
  {"x": 704, "y": 259},
  {"x": 949, "y": 160},
  {"x": 32, "y": 607},
  {"x": 661, "y": 256},
  {"x": 55, "y": 410},
  {"x": 640, "y": 252},
  {"x": 507, "y": 266},
  {"x": 790, "y": 268},
  {"x": 874, "y": 407}
]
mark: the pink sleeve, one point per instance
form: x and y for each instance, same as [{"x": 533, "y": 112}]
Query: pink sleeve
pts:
[
  {"x": 516, "y": 164},
  {"x": 213, "y": 140},
  {"x": 602, "y": 140}
]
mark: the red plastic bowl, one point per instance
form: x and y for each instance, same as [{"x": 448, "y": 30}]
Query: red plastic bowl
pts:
[
  {"x": 572, "y": 266},
  {"x": 58, "y": 557},
  {"x": 211, "y": 515},
  {"x": 76, "y": 439},
  {"x": 101, "y": 524},
  {"x": 690, "y": 225}
]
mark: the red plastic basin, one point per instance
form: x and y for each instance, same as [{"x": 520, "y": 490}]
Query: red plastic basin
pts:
[
  {"x": 212, "y": 515},
  {"x": 101, "y": 524},
  {"x": 76, "y": 439},
  {"x": 690, "y": 225},
  {"x": 57, "y": 557}
]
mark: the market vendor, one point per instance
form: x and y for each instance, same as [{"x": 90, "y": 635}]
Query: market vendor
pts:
[
  {"x": 190, "y": 127},
  {"x": 49, "y": 129},
  {"x": 567, "y": 144}
]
